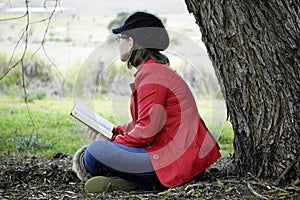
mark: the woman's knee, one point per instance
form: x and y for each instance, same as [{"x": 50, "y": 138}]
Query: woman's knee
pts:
[{"x": 92, "y": 158}]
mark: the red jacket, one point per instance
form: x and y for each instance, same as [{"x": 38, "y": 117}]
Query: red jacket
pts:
[{"x": 165, "y": 121}]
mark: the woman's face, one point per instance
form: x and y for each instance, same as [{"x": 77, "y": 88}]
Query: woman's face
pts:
[{"x": 125, "y": 46}]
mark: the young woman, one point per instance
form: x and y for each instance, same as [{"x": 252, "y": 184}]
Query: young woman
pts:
[{"x": 167, "y": 143}]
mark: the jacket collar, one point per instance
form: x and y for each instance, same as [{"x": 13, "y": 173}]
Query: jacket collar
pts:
[{"x": 149, "y": 61}]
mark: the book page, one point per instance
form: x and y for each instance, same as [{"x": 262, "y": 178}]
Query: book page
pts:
[
  {"x": 92, "y": 119},
  {"x": 96, "y": 118}
]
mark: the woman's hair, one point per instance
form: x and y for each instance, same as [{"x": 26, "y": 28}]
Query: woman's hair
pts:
[{"x": 139, "y": 55}]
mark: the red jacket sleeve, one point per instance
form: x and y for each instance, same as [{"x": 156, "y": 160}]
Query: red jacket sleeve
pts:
[
  {"x": 122, "y": 128},
  {"x": 151, "y": 116}
]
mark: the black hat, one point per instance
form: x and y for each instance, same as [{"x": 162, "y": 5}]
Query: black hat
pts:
[{"x": 146, "y": 30}]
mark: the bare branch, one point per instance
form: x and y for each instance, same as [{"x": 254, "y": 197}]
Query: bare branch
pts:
[
  {"x": 44, "y": 38},
  {"x": 14, "y": 18},
  {"x": 25, "y": 33},
  {"x": 23, "y": 69},
  {"x": 11, "y": 57},
  {"x": 25, "y": 36},
  {"x": 255, "y": 193}
]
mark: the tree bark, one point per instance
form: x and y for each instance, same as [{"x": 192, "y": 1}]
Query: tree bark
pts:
[{"x": 254, "y": 48}]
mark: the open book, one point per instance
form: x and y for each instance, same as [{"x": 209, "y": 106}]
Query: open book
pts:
[{"x": 92, "y": 120}]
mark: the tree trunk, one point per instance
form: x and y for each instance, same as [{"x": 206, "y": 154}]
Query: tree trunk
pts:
[{"x": 254, "y": 48}]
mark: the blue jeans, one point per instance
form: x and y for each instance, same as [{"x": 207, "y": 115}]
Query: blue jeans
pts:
[{"x": 104, "y": 158}]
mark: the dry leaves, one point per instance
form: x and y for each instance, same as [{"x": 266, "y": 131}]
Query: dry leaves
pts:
[{"x": 24, "y": 177}]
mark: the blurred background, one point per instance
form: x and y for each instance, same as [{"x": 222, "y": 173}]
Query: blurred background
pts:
[{"x": 65, "y": 49}]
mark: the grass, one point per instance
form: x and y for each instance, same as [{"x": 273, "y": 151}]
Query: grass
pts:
[
  {"x": 48, "y": 128},
  {"x": 52, "y": 130}
]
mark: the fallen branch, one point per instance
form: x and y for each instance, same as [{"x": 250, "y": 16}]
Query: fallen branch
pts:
[
  {"x": 230, "y": 181},
  {"x": 255, "y": 193},
  {"x": 260, "y": 185},
  {"x": 278, "y": 189},
  {"x": 194, "y": 185},
  {"x": 256, "y": 178},
  {"x": 278, "y": 180},
  {"x": 293, "y": 188}
]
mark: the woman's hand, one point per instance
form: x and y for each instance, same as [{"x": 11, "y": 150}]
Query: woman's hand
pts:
[{"x": 94, "y": 135}]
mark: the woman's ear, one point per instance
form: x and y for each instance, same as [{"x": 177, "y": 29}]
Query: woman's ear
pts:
[{"x": 131, "y": 42}]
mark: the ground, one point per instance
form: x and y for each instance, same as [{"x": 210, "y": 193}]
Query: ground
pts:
[{"x": 25, "y": 177}]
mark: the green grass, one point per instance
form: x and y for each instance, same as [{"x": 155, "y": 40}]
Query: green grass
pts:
[
  {"x": 52, "y": 130},
  {"x": 48, "y": 128},
  {"x": 213, "y": 112}
]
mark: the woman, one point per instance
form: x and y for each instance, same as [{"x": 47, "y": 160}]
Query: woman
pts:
[{"x": 167, "y": 143}]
